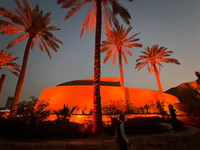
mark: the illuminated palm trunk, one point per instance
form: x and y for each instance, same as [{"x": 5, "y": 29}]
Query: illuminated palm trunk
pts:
[
  {"x": 162, "y": 100},
  {"x": 1, "y": 81},
  {"x": 121, "y": 69},
  {"x": 122, "y": 80},
  {"x": 97, "y": 114},
  {"x": 20, "y": 79}
]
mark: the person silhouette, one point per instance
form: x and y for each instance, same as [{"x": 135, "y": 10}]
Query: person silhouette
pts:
[{"x": 120, "y": 135}]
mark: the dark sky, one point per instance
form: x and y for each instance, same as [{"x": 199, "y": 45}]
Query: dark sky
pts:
[{"x": 172, "y": 24}]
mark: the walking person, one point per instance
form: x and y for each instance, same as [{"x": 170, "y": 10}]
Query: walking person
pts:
[{"x": 120, "y": 134}]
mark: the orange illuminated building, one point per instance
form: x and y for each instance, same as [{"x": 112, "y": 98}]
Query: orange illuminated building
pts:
[{"x": 80, "y": 93}]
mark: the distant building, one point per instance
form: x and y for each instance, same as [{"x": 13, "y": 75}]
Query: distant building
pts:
[
  {"x": 9, "y": 102},
  {"x": 80, "y": 93},
  {"x": 4, "y": 111}
]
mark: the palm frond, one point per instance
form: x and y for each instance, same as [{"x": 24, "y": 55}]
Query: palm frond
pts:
[
  {"x": 162, "y": 48},
  {"x": 114, "y": 58},
  {"x": 6, "y": 13},
  {"x": 131, "y": 38},
  {"x": 19, "y": 5},
  {"x": 52, "y": 28},
  {"x": 126, "y": 50},
  {"x": 148, "y": 68},
  {"x": 27, "y": 11},
  {"x": 107, "y": 14},
  {"x": 115, "y": 21},
  {"x": 171, "y": 60},
  {"x": 23, "y": 21},
  {"x": 7, "y": 24},
  {"x": 39, "y": 45},
  {"x": 10, "y": 30},
  {"x": 78, "y": 6},
  {"x": 109, "y": 43},
  {"x": 115, "y": 7},
  {"x": 140, "y": 65},
  {"x": 126, "y": 32},
  {"x": 124, "y": 14},
  {"x": 13, "y": 66},
  {"x": 134, "y": 40},
  {"x": 133, "y": 45},
  {"x": 49, "y": 43},
  {"x": 15, "y": 73},
  {"x": 57, "y": 40},
  {"x": 35, "y": 11},
  {"x": 104, "y": 49},
  {"x": 144, "y": 52},
  {"x": 92, "y": 21},
  {"x": 55, "y": 44},
  {"x": 86, "y": 21},
  {"x": 17, "y": 40},
  {"x": 67, "y": 3},
  {"x": 106, "y": 27},
  {"x": 72, "y": 109},
  {"x": 159, "y": 65},
  {"x": 108, "y": 55},
  {"x": 124, "y": 56},
  {"x": 45, "y": 47}
]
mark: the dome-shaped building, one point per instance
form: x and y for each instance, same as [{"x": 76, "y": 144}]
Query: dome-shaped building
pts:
[{"x": 80, "y": 93}]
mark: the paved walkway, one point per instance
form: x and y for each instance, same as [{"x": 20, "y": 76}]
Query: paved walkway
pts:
[{"x": 185, "y": 140}]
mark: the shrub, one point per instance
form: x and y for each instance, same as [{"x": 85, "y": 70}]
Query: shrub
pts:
[
  {"x": 146, "y": 125},
  {"x": 32, "y": 112},
  {"x": 18, "y": 129}
]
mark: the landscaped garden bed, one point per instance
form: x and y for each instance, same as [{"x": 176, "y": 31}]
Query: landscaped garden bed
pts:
[{"x": 18, "y": 129}]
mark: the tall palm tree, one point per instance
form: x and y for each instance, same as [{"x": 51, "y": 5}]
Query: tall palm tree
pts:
[
  {"x": 99, "y": 8},
  {"x": 118, "y": 43},
  {"x": 153, "y": 58},
  {"x": 34, "y": 24},
  {"x": 6, "y": 61}
]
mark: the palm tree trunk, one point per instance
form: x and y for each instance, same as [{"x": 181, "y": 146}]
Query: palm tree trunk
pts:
[
  {"x": 162, "y": 100},
  {"x": 122, "y": 80},
  {"x": 121, "y": 68},
  {"x": 1, "y": 81},
  {"x": 20, "y": 79},
  {"x": 97, "y": 114}
]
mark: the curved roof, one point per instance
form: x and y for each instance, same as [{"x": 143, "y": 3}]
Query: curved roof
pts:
[{"x": 109, "y": 81}]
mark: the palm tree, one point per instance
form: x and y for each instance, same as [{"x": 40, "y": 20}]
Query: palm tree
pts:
[
  {"x": 99, "y": 8},
  {"x": 34, "y": 24},
  {"x": 64, "y": 112},
  {"x": 6, "y": 62},
  {"x": 118, "y": 43},
  {"x": 154, "y": 57}
]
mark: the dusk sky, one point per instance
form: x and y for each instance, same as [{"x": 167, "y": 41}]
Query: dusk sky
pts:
[{"x": 174, "y": 24}]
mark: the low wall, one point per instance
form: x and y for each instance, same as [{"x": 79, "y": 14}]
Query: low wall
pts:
[{"x": 183, "y": 140}]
